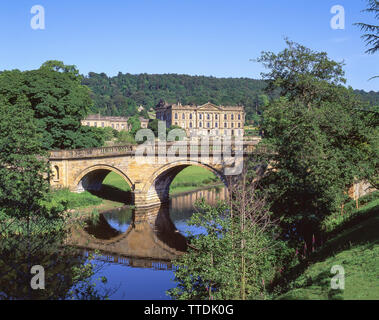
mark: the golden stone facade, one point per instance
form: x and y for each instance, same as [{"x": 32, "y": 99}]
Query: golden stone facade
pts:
[{"x": 204, "y": 119}]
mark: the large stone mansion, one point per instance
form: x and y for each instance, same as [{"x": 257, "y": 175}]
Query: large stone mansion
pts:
[{"x": 204, "y": 119}]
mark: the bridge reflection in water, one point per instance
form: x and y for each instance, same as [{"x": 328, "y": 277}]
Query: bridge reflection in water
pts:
[{"x": 143, "y": 238}]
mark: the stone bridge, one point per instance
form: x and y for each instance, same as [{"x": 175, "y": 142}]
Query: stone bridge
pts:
[{"x": 147, "y": 169}]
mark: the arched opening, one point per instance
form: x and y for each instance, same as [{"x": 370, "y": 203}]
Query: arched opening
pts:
[
  {"x": 177, "y": 178},
  {"x": 107, "y": 183}
]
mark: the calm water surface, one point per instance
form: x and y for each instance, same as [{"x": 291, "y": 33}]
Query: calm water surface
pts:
[{"x": 136, "y": 246}]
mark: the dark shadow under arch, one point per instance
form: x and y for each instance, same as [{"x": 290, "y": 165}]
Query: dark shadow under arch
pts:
[{"x": 92, "y": 179}]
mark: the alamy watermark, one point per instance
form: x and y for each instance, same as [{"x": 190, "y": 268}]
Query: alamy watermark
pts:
[
  {"x": 338, "y": 20},
  {"x": 38, "y": 20},
  {"x": 37, "y": 281},
  {"x": 337, "y": 281}
]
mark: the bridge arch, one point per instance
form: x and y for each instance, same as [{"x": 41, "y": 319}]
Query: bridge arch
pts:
[
  {"x": 158, "y": 185},
  {"x": 92, "y": 177}
]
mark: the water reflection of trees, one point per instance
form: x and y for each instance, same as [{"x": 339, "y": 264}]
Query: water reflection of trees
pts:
[
  {"x": 182, "y": 206},
  {"x": 65, "y": 268},
  {"x": 121, "y": 216}
]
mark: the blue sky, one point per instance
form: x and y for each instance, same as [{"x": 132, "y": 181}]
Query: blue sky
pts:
[{"x": 197, "y": 37}]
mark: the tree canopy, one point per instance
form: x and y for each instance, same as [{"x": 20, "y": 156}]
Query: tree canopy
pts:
[
  {"x": 322, "y": 139},
  {"x": 121, "y": 95},
  {"x": 59, "y": 102}
]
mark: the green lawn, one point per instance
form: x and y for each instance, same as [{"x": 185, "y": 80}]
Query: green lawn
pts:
[
  {"x": 191, "y": 178},
  {"x": 75, "y": 200},
  {"x": 356, "y": 248},
  {"x": 115, "y": 180}
]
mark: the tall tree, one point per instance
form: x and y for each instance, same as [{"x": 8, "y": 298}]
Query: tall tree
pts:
[
  {"x": 319, "y": 137},
  {"x": 59, "y": 102},
  {"x": 237, "y": 254},
  {"x": 23, "y": 171}
]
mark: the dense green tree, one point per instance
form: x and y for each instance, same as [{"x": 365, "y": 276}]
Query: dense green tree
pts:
[
  {"x": 153, "y": 125},
  {"x": 152, "y": 90},
  {"x": 23, "y": 170},
  {"x": 319, "y": 137},
  {"x": 135, "y": 124},
  {"x": 58, "y": 100},
  {"x": 125, "y": 137},
  {"x": 237, "y": 254}
]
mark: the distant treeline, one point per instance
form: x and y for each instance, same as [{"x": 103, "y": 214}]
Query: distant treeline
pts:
[{"x": 121, "y": 95}]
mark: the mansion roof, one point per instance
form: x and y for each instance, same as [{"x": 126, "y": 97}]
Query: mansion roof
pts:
[
  {"x": 99, "y": 117},
  {"x": 207, "y": 106},
  {"x": 105, "y": 118}
]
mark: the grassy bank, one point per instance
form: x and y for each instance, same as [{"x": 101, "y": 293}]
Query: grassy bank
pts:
[
  {"x": 354, "y": 245},
  {"x": 192, "y": 178}
]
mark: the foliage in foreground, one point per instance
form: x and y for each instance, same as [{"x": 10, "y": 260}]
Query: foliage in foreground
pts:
[{"x": 236, "y": 255}]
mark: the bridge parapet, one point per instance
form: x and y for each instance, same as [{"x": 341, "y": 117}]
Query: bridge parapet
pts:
[{"x": 130, "y": 150}]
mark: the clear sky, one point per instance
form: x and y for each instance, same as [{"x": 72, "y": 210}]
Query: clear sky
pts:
[{"x": 197, "y": 37}]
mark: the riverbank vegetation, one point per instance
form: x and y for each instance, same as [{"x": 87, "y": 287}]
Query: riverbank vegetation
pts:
[
  {"x": 320, "y": 139},
  {"x": 238, "y": 253},
  {"x": 352, "y": 242}
]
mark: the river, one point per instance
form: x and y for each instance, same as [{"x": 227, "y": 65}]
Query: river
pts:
[{"x": 135, "y": 247}]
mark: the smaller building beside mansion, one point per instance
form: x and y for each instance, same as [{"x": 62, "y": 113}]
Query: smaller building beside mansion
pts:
[
  {"x": 204, "y": 119},
  {"x": 118, "y": 123}
]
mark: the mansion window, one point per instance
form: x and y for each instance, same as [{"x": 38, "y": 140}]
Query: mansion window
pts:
[
  {"x": 200, "y": 124},
  {"x": 208, "y": 116},
  {"x": 239, "y": 125},
  {"x": 190, "y": 124},
  {"x": 176, "y": 116},
  {"x": 191, "y": 116},
  {"x": 56, "y": 173},
  {"x": 95, "y": 124},
  {"x": 216, "y": 124},
  {"x": 216, "y": 116},
  {"x": 200, "y": 116},
  {"x": 88, "y": 124},
  {"x": 225, "y": 117},
  {"x": 232, "y": 116},
  {"x": 225, "y": 125},
  {"x": 232, "y": 125},
  {"x": 208, "y": 125},
  {"x": 183, "y": 116},
  {"x": 102, "y": 124},
  {"x": 239, "y": 117},
  {"x": 113, "y": 125}
]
